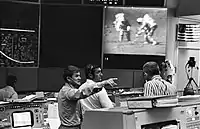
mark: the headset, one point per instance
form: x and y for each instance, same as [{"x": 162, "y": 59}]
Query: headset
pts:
[
  {"x": 89, "y": 69},
  {"x": 73, "y": 81}
]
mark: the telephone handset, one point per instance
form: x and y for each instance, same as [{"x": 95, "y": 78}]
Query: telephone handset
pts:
[{"x": 72, "y": 81}]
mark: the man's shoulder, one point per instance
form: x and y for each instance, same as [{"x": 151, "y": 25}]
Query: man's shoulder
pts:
[
  {"x": 87, "y": 83},
  {"x": 65, "y": 86},
  {"x": 150, "y": 81},
  {"x": 90, "y": 81},
  {"x": 2, "y": 90},
  {"x": 10, "y": 88},
  {"x": 102, "y": 92}
]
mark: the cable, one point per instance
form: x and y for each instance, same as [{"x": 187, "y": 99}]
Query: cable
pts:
[{"x": 28, "y": 62}]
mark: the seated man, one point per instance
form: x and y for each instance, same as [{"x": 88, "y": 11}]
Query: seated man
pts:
[
  {"x": 94, "y": 74},
  {"x": 155, "y": 85},
  {"x": 8, "y": 92}
]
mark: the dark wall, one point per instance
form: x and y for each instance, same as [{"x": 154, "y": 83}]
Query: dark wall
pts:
[
  {"x": 3, "y": 73},
  {"x": 125, "y": 77},
  {"x": 50, "y": 79},
  {"x": 19, "y": 15},
  {"x": 147, "y": 3},
  {"x": 122, "y": 61},
  {"x": 138, "y": 80},
  {"x": 26, "y": 78},
  {"x": 70, "y": 35}
]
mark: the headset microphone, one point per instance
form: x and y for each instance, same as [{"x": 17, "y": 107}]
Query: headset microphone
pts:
[{"x": 73, "y": 81}]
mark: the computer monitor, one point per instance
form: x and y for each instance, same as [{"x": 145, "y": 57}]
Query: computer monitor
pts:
[
  {"x": 22, "y": 119},
  {"x": 133, "y": 35},
  {"x": 122, "y": 33}
]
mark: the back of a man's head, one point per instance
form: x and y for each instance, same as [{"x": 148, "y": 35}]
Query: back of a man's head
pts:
[
  {"x": 151, "y": 68},
  {"x": 11, "y": 80},
  {"x": 69, "y": 71}
]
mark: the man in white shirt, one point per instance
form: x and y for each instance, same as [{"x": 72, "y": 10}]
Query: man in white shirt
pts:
[
  {"x": 122, "y": 25},
  {"x": 8, "y": 92},
  {"x": 100, "y": 99}
]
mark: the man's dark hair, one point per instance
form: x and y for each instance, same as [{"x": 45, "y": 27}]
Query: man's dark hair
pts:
[
  {"x": 69, "y": 71},
  {"x": 151, "y": 68},
  {"x": 11, "y": 80},
  {"x": 90, "y": 69}
]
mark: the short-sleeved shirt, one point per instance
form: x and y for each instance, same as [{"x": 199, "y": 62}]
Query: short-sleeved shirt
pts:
[
  {"x": 8, "y": 92},
  {"x": 158, "y": 86},
  {"x": 69, "y": 107},
  {"x": 97, "y": 100}
]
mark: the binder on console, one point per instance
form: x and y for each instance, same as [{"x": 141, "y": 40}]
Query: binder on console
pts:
[{"x": 152, "y": 101}]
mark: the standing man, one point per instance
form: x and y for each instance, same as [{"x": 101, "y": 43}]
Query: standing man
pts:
[
  {"x": 148, "y": 27},
  {"x": 69, "y": 107},
  {"x": 94, "y": 75},
  {"x": 155, "y": 85},
  {"x": 8, "y": 92},
  {"x": 122, "y": 26}
]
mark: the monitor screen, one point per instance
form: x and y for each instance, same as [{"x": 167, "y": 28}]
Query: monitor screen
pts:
[
  {"x": 134, "y": 30},
  {"x": 22, "y": 119}
]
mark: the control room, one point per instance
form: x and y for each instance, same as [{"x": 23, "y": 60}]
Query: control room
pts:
[{"x": 99, "y": 64}]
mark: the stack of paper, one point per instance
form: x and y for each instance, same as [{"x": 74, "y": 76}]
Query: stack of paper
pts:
[{"x": 153, "y": 101}]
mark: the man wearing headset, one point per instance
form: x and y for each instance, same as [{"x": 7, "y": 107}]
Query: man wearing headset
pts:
[
  {"x": 69, "y": 106},
  {"x": 94, "y": 75}
]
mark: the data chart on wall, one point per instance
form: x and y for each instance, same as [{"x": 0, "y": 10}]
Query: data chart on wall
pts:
[{"x": 18, "y": 48}]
